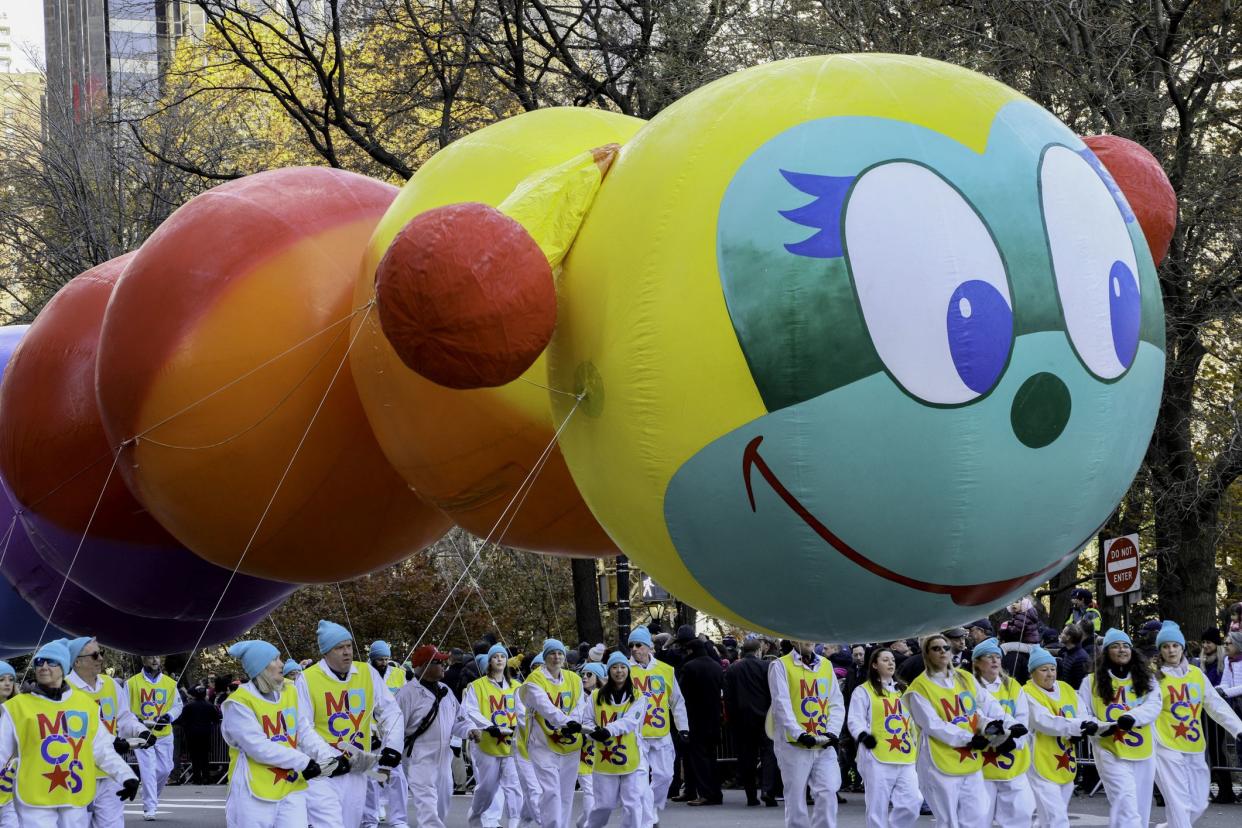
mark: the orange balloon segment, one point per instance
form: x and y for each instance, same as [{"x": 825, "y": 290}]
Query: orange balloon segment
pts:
[{"x": 224, "y": 368}]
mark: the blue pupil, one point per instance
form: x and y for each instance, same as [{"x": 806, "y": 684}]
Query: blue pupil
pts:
[
  {"x": 980, "y": 329},
  {"x": 1125, "y": 312}
]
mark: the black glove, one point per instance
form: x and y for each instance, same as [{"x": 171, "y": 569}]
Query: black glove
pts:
[
  {"x": 129, "y": 790},
  {"x": 994, "y": 728},
  {"x": 342, "y": 766},
  {"x": 389, "y": 758},
  {"x": 163, "y": 719},
  {"x": 1090, "y": 728},
  {"x": 1018, "y": 731},
  {"x": 601, "y": 734},
  {"x": 1107, "y": 731},
  {"x": 806, "y": 740},
  {"x": 1222, "y": 692},
  {"x": 833, "y": 741},
  {"x": 148, "y": 739},
  {"x": 375, "y": 742},
  {"x": 1125, "y": 722},
  {"x": 978, "y": 742},
  {"x": 571, "y": 729},
  {"x": 457, "y": 752},
  {"x": 493, "y": 731},
  {"x": 1008, "y": 746},
  {"x": 684, "y": 736},
  {"x": 121, "y": 746},
  {"x": 311, "y": 770},
  {"x": 867, "y": 740}
]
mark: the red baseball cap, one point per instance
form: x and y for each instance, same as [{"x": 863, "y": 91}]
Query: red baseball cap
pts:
[{"x": 427, "y": 654}]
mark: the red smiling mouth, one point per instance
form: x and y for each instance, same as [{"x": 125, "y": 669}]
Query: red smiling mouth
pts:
[{"x": 966, "y": 595}]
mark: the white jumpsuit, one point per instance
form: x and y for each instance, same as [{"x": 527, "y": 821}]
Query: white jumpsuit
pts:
[
  {"x": 555, "y": 772},
  {"x": 155, "y": 764},
  {"x": 627, "y": 790},
  {"x": 107, "y": 810},
  {"x": 532, "y": 794},
  {"x": 1184, "y": 777},
  {"x": 242, "y": 731},
  {"x": 106, "y": 759},
  {"x": 338, "y": 802},
  {"x": 886, "y": 784},
  {"x": 1128, "y": 782},
  {"x": 800, "y": 767},
  {"x": 956, "y": 801},
  {"x": 659, "y": 754},
  {"x": 1051, "y": 800},
  {"x": 491, "y": 773},
  {"x": 429, "y": 766},
  {"x": 1010, "y": 801}
]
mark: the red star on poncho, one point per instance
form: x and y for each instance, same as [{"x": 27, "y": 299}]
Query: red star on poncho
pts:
[
  {"x": 59, "y": 778},
  {"x": 895, "y": 743},
  {"x": 647, "y": 719},
  {"x": 1064, "y": 760},
  {"x": 989, "y": 757},
  {"x": 605, "y": 754},
  {"x": 965, "y": 754},
  {"x": 1180, "y": 730},
  {"x": 280, "y": 775},
  {"x": 1119, "y": 734},
  {"x": 809, "y": 726}
]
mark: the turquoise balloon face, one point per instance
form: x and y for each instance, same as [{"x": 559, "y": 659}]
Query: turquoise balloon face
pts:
[{"x": 961, "y": 355}]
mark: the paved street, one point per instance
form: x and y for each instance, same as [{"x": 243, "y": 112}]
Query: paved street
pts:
[{"x": 204, "y": 806}]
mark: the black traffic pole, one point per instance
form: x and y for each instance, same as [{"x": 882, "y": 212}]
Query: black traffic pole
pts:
[{"x": 623, "y": 601}]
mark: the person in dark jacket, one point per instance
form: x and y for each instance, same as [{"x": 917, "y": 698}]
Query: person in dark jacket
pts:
[
  {"x": 746, "y": 702},
  {"x": 702, "y": 681},
  {"x": 1074, "y": 663},
  {"x": 198, "y": 720}
]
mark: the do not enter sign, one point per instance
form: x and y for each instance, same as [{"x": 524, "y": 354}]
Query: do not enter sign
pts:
[{"x": 1121, "y": 565}]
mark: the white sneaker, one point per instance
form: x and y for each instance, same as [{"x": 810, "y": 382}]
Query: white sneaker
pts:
[{"x": 148, "y": 817}]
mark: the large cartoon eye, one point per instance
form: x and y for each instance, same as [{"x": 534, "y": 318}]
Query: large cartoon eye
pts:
[
  {"x": 1093, "y": 260},
  {"x": 930, "y": 281}
]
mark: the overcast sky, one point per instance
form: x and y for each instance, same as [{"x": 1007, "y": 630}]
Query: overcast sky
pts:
[{"x": 26, "y": 20}]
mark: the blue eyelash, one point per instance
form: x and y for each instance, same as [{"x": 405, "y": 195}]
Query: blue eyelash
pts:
[
  {"x": 1107, "y": 178},
  {"x": 824, "y": 213}
]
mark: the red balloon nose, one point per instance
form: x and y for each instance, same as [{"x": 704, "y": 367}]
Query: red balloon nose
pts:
[{"x": 465, "y": 296}]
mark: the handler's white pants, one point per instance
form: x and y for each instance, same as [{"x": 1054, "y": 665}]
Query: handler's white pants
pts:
[
  {"x": 243, "y": 810},
  {"x": 818, "y": 768},
  {"x": 431, "y": 788},
  {"x": 1183, "y": 779},
  {"x": 1129, "y": 788},
  {"x": 1051, "y": 800},
  {"x": 586, "y": 784},
  {"x": 393, "y": 794},
  {"x": 154, "y": 766},
  {"x": 556, "y": 774},
  {"x": 532, "y": 794},
  {"x": 956, "y": 801},
  {"x": 658, "y": 754},
  {"x": 106, "y": 809},
  {"x": 1010, "y": 802},
  {"x": 8, "y": 816},
  {"x": 624, "y": 789},
  {"x": 492, "y": 774},
  {"x": 895, "y": 785},
  {"x": 336, "y": 802},
  {"x": 28, "y": 817}
]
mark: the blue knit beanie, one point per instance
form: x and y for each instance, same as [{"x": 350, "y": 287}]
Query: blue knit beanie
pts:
[
  {"x": 1038, "y": 658},
  {"x": 988, "y": 646},
  {"x": 291, "y": 666},
  {"x": 618, "y": 658},
  {"x": 480, "y": 664},
  {"x": 6, "y": 669},
  {"x": 1116, "y": 636},
  {"x": 330, "y": 634},
  {"x": 537, "y": 660},
  {"x": 379, "y": 649},
  {"x": 76, "y": 645},
  {"x": 1170, "y": 633},
  {"x": 497, "y": 649},
  {"x": 551, "y": 645},
  {"x": 253, "y": 655},
  {"x": 57, "y": 652},
  {"x": 641, "y": 635},
  {"x": 596, "y": 669}
]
